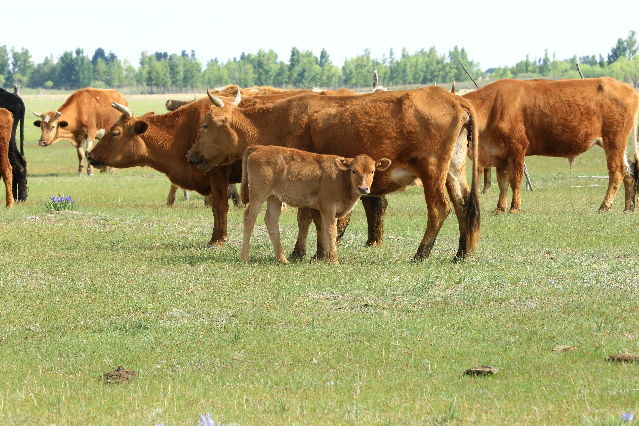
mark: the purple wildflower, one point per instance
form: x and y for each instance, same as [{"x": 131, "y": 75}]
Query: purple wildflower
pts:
[
  {"x": 206, "y": 420},
  {"x": 627, "y": 417}
]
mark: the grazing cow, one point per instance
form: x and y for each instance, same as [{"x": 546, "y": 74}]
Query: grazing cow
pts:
[
  {"x": 327, "y": 183},
  {"x": 423, "y": 132},
  {"x": 161, "y": 142},
  {"x": 6, "y": 127},
  {"x": 562, "y": 118},
  {"x": 86, "y": 114},
  {"x": 15, "y": 106}
]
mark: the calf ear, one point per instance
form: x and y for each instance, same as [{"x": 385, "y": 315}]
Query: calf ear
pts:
[
  {"x": 382, "y": 164},
  {"x": 140, "y": 127},
  {"x": 37, "y": 123},
  {"x": 63, "y": 124},
  {"x": 343, "y": 163}
]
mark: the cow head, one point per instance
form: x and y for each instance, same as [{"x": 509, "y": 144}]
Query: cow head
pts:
[
  {"x": 51, "y": 126},
  {"x": 362, "y": 168},
  {"x": 218, "y": 142},
  {"x": 122, "y": 145}
]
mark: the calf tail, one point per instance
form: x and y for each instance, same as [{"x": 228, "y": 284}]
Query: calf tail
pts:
[
  {"x": 22, "y": 131},
  {"x": 245, "y": 181},
  {"x": 473, "y": 219}
]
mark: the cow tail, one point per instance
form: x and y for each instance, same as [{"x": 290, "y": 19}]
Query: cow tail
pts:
[
  {"x": 22, "y": 132},
  {"x": 473, "y": 219}
]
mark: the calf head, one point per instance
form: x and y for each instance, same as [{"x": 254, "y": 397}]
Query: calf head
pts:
[
  {"x": 50, "y": 124},
  {"x": 362, "y": 168},
  {"x": 122, "y": 146},
  {"x": 218, "y": 142}
]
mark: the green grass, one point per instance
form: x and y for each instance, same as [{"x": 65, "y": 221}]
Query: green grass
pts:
[{"x": 125, "y": 280}]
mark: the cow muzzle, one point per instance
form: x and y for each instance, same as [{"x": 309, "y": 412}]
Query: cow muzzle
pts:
[
  {"x": 41, "y": 142},
  {"x": 92, "y": 160},
  {"x": 193, "y": 159},
  {"x": 363, "y": 190}
]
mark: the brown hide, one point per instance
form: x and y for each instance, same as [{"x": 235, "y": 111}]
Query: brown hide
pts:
[
  {"x": 327, "y": 183},
  {"x": 85, "y": 112},
  {"x": 563, "y": 118},
  {"x": 420, "y": 131},
  {"x": 6, "y": 171}
]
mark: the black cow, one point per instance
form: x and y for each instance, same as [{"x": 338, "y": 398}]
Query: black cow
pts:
[{"x": 14, "y": 104}]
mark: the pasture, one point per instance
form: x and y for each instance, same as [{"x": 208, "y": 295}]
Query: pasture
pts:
[{"x": 126, "y": 281}]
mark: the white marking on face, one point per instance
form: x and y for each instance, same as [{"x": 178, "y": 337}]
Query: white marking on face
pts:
[
  {"x": 97, "y": 97},
  {"x": 46, "y": 119},
  {"x": 100, "y": 133}
]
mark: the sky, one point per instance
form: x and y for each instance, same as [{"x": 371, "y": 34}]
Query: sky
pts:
[{"x": 494, "y": 33}]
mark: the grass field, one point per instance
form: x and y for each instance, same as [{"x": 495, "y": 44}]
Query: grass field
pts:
[{"x": 126, "y": 281}]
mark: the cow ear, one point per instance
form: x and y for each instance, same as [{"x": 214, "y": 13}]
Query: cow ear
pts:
[
  {"x": 343, "y": 163},
  {"x": 382, "y": 164},
  {"x": 37, "y": 123},
  {"x": 63, "y": 124},
  {"x": 140, "y": 127}
]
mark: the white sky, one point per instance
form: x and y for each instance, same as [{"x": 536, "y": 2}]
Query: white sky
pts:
[{"x": 494, "y": 33}]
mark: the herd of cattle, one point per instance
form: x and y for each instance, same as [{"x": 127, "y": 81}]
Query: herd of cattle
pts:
[{"x": 320, "y": 149}]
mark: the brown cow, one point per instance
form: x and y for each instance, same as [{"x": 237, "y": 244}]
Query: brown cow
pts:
[
  {"x": 161, "y": 142},
  {"x": 563, "y": 118},
  {"x": 173, "y": 104},
  {"x": 423, "y": 132},
  {"x": 302, "y": 179},
  {"x": 85, "y": 115},
  {"x": 6, "y": 171}
]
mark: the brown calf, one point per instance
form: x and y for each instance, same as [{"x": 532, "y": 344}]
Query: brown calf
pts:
[
  {"x": 327, "y": 183},
  {"x": 6, "y": 171}
]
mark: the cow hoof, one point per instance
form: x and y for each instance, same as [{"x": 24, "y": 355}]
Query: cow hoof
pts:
[
  {"x": 297, "y": 255},
  {"x": 514, "y": 211},
  {"x": 372, "y": 243},
  {"x": 89, "y": 174},
  {"x": 283, "y": 261},
  {"x": 603, "y": 209},
  {"x": 215, "y": 244},
  {"x": 499, "y": 211}
]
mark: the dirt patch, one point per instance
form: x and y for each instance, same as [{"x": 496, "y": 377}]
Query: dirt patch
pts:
[
  {"x": 121, "y": 375},
  {"x": 481, "y": 370},
  {"x": 563, "y": 348},
  {"x": 624, "y": 357}
]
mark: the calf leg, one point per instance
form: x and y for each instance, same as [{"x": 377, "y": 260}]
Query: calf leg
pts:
[
  {"x": 250, "y": 216},
  {"x": 272, "y": 219},
  {"x": 342, "y": 224},
  {"x": 330, "y": 226},
  {"x": 375, "y": 207},
  {"x": 631, "y": 192},
  {"x": 502, "y": 181},
  {"x": 321, "y": 252},
  {"x": 170, "y": 199},
  {"x": 304, "y": 220}
]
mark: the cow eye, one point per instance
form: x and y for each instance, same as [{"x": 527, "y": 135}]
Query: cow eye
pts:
[
  {"x": 353, "y": 171},
  {"x": 204, "y": 128},
  {"x": 373, "y": 172},
  {"x": 116, "y": 134}
]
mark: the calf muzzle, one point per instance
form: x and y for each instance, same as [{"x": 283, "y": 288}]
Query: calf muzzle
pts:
[
  {"x": 363, "y": 190},
  {"x": 42, "y": 143}
]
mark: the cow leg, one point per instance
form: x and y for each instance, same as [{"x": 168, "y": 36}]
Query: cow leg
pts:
[
  {"x": 375, "y": 207},
  {"x": 80, "y": 151},
  {"x": 170, "y": 199},
  {"x": 90, "y": 139},
  {"x": 615, "y": 177},
  {"x": 502, "y": 181},
  {"x": 304, "y": 220},
  {"x": 219, "y": 180},
  {"x": 250, "y": 216},
  {"x": 330, "y": 226},
  {"x": 438, "y": 210},
  {"x": 515, "y": 177},
  {"x": 186, "y": 194},
  {"x": 7, "y": 175},
  {"x": 19, "y": 171},
  {"x": 272, "y": 220},
  {"x": 487, "y": 183},
  {"x": 322, "y": 245},
  {"x": 459, "y": 192},
  {"x": 631, "y": 193},
  {"x": 342, "y": 224}
]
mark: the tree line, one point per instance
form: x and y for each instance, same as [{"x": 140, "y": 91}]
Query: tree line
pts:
[{"x": 162, "y": 72}]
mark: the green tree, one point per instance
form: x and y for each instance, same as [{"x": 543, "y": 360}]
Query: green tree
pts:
[
  {"x": 21, "y": 66},
  {"x": 115, "y": 73},
  {"x": 631, "y": 44},
  {"x": 44, "y": 72},
  {"x": 100, "y": 70},
  {"x": 618, "y": 51},
  {"x": 4, "y": 62}
]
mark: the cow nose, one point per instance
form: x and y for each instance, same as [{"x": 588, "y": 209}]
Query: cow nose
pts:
[
  {"x": 192, "y": 159},
  {"x": 42, "y": 143},
  {"x": 89, "y": 156},
  {"x": 363, "y": 190}
]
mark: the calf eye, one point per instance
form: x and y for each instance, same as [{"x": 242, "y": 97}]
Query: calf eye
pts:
[
  {"x": 353, "y": 171},
  {"x": 373, "y": 172}
]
